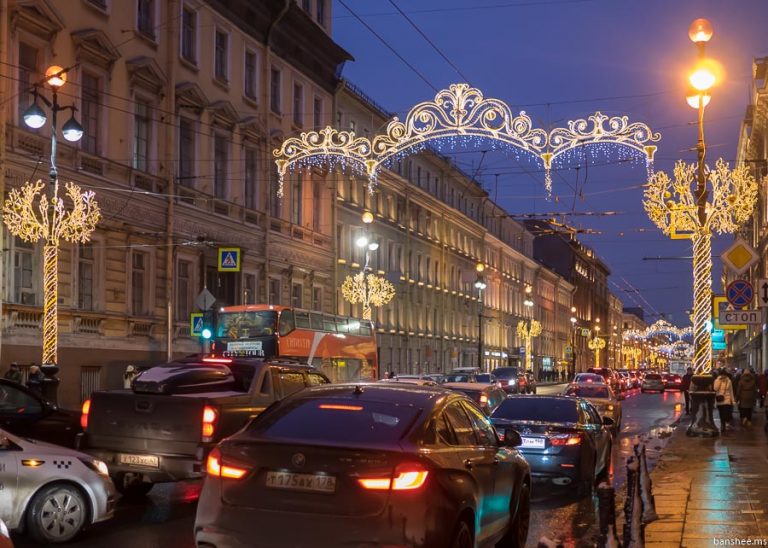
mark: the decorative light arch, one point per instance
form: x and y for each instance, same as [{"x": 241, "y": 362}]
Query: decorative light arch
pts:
[{"x": 461, "y": 112}]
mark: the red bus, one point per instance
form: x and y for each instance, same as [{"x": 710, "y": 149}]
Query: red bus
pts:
[{"x": 343, "y": 348}]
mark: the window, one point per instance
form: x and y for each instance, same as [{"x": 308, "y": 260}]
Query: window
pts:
[
  {"x": 183, "y": 290},
  {"x": 306, "y": 5},
  {"x": 483, "y": 429},
  {"x": 297, "y": 199},
  {"x": 249, "y": 79},
  {"x": 15, "y": 403},
  {"x": 146, "y": 18},
  {"x": 460, "y": 424},
  {"x": 138, "y": 283},
  {"x": 297, "y": 291},
  {"x": 251, "y": 178},
  {"x": 85, "y": 266},
  {"x": 274, "y": 291},
  {"x": 316, "y": 205},
  {"x": 189, "y": 34},
  {"x": 298, "y": 105},
  {"x": 249, "y": 293},
  {"x": 141, "y": 130},
  {"x": 291, "y": 382},
  {"x": 321, "y": 12},
  {"x": 23, "y": 280},
  {"x": 317, "y": 298},
  {"x": 274, "y": 91},
  {"x": 220, "y": 68},
  {"x": 28, "y": 74},
  {"x": 89, "y": 110},
  {"x": 186, "y": 171},
  {"x": 220, "y": 157},
  {"x": 275, "y": 203},
  {"x": 317, "y": 113}
]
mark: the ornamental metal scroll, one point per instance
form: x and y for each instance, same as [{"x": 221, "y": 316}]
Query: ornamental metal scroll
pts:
[{"x": 460, "y": 112}]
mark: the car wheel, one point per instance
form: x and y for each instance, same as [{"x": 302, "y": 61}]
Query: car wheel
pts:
[
  {"x": 462, "y": 537},
  {"x": 517, "y": 534},
  {"x": 57, "y": 513},
  {"x": 131, "y": 485}
]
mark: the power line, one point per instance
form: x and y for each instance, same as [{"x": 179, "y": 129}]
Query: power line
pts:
[{"x": 477, "y": 8}]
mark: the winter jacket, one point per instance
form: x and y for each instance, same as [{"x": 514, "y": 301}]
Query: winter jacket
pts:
[
  {"x": 686, "y": 384},
  {"x": 724, "y": 387},
  {"x": 746, "y": 390}
]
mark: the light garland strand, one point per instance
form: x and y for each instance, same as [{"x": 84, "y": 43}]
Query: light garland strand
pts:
[
  {"x": 527, "y": 331},
  {"x": 369, "y": 290}
]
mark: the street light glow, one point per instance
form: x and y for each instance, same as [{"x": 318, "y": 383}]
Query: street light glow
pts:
[
  {"x": 367, "y": 217},
  {"x": 373, "y": 246},
  {"x": 693, "y": 95},
  {"x": 480, "y": 284},
  {"x": 361, "y": 241},
  {"x": 700, "y": 31},
  {"x": 703, "y": 78},
  {"x": 34, "y": 116},
  {"x": 55, "y": 76},
  {"x": 72, "y": 130}
]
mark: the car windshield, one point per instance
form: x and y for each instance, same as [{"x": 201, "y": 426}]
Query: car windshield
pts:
[
  {"x": 458, "y": 377},
  {"x": 537, "y": 409},
  {"x": 245, "y": 325},
  {"x": 593, "y": 391},
  {"x": 484, "y": 377},
  {"x": 335, "y": 421},
  {"x": 505, "y": 372}
]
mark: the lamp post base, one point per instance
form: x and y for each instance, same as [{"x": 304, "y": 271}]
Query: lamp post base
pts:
[
  {"x": 50, "y": 385},
  {"x": 702, "y": 407}
]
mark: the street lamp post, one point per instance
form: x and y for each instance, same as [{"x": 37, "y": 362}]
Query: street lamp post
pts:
[
  {"x": 528, "y": 330},
  {"x": 574, "y": 327},
  {"x": 49, "y": 219},
  {"x": 480, "y": 285}
]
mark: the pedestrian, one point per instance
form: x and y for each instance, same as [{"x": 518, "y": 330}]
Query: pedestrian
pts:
[
  {"x": 13, "y": 374},
  {"x": 762, "y": 381},
  {"x": 746, "y": 394},
  {"x": 686, "y": 388},
  {"x": 35, "y": 380},
  {"x": 131, "y": 372},
  {"x": 724, "y": 398}
]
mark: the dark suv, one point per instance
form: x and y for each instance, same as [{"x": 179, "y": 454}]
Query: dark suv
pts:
[{"x": 512, "y": 380}]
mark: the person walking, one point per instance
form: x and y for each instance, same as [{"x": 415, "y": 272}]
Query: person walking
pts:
[
  {"x": 686, "y": 388},
  {"x": 131, "y": 372},
  {"x": 746, "y": 394},
  {"x": 724, "y": 398},
  {"x": 13, "y": 374},
  {"x": 762, "y": 382},
  {"x": 35, "y": 380}
]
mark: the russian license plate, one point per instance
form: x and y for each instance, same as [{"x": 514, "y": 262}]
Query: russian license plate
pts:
[
  {"x": 150, "y": 461},
  {"x": 316, "y": 483},
  {"x": 534, "y": 443}
]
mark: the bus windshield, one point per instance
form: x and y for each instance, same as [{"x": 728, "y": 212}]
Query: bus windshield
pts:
[{"x": 245, "y": 325}]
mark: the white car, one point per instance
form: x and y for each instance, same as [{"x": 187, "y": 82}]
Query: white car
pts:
[{"x": 49, "y": 491}]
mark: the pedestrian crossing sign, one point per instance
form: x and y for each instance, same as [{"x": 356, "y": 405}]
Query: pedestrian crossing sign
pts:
[
  {"x": 196, "y": 324},
  {"x": 229, "y": 259}
]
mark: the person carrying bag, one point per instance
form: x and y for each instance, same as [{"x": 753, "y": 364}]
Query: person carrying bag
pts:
[{"x": 724, "y": 398}]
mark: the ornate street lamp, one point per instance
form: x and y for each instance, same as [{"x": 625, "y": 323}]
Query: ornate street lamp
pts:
[
  {"x": 480, "y": 285},
  {"x": 682, "y": 210},
  {"x": 574, "y": 327},
  {"x": 49, "y": 219}
]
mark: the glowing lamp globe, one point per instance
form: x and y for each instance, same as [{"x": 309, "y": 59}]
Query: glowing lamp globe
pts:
[
  {"x": 206, "y": 333},
  {"x": 479, "y": 267},
  {"x": 72, "y": 130},
  {"x": 34, "y": 116},
  {"x": 693, "y": 96},
  {"x": 702, "y": 78},
  {"x": 55, "y": 76},
  {"x": 700, "y": 31},
  {"x": 362, "y": 241},
  {"x": 367, "y": 217}
]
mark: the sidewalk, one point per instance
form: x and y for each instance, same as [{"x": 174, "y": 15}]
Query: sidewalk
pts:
[{"x": 709, "y": 491}]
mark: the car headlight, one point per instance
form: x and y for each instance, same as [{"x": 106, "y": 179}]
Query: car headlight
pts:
[
  {"x": 512, "y": 381},
  {"x": 609, "y": 407},
  {"x": 98, "y": 466}
]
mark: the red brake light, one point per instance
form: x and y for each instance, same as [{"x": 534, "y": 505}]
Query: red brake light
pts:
[
  {"x": 483, "y": 398},
  {"x": 566, "y": 440},
  {"x": 217, "y": 360},
  {"x": 340, "y": 407},
  {"x": 214, "y": 467},
  {"x": 210, "y": 416},
  {"x": 405, "y": 478},
  {"x": 84, "y": 414}
]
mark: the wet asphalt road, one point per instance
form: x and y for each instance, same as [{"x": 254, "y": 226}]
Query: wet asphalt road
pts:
[{"x": 166, "y": 517}]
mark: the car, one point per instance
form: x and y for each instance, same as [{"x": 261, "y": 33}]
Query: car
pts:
[
  {"x": 410, "y": 379},
  {"x": 26, "y": 414},
  {"x": 636, "y": 378},
  {"x": 652, "y": 382},
  {"x": 607, "y": 403},
  {"x": 673, "y": 382},
  {"x": 564, "y": 440},
  {"x": 435, "y": 378},
  {"x": 470, "y": 375},
  {"x": 611, "y": 379},
  {"x": 511, "y": 379},
  {"x": 589, "y": 377},
  {"x": 51, "y": 492},
  {"x": 625, "y": 381},
  {"x": 488, "y": 396},
  {"x": 347, "y": 461}
]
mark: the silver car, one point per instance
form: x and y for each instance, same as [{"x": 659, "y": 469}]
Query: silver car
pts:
[
  {"x": 652, "y": 382},
  {"x": 601, "y": 397},
  {"x": 51, "y": 492}
]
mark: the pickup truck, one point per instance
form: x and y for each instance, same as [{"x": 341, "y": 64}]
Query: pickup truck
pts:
[{"x": 175, "y": 413}]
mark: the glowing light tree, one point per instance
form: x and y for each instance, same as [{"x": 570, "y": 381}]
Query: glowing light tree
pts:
[
  {"x": 596, "y": 344},
  {"x": 527, "y": 330},
  {"x": 369, "y": 289},
  {"x": 719, "y": 201}
]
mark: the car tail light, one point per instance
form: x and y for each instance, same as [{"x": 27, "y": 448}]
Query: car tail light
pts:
[
  {"x": 215, "y": 467},
  {"x": 210, "y": 416},
  {"x": 573, "y": 439},
  {"x": 84, "y": 414},
  {"x": 483, "y": 398},
  {"x": 406, "y": 477}
]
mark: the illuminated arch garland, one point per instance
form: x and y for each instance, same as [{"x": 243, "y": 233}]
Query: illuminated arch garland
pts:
[{"x": 456, "y": 113}]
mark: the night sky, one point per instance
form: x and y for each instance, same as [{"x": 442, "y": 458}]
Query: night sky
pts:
[{"x": 564, "y": 59}]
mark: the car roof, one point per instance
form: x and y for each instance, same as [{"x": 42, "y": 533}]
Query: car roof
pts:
[
  {"x": 404, "y": 393},
  {"x": 588, "y": 385},
  {"x": 469, "y": 386}
]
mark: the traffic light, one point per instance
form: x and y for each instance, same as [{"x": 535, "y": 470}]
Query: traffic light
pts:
[{"x": 208, "y": 325}]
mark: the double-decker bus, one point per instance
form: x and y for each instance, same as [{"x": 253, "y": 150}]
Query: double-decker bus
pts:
[{"x": 343, "y": 348}]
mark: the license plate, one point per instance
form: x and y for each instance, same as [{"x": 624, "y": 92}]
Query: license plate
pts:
[
  {"x": 316, "y": 483},
  {"x": 535, "y": 443},
  {"x": 150, "y": 461}
]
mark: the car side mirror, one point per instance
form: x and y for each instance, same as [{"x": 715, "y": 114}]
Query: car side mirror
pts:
[
  {"x": 512, "y": 438},
  {"x": 607, "y": 421}
]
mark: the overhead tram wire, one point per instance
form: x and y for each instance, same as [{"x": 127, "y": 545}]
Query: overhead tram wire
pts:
[{"x": 477, "y": 8}]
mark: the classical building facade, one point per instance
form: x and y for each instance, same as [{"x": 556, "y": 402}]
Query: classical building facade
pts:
[{"x": 182, "y": 103}]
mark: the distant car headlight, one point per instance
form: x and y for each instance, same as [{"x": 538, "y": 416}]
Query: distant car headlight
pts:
[
  {"x": 512, "y": 382},
  {"x": 98, "y": 466}
]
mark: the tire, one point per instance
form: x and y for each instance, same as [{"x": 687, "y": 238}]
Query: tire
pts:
[
  {"x": 517, "y": 534},
  {"x": 57, "y": 513},
  {"x": 131, "y": 486},
  {"x": 462, "y": 536}
]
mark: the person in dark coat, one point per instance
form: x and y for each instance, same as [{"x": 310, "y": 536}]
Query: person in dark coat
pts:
[
  {"x": 686, "y": 388},
  {"x": 13, "y": 374},
  {"x": 746, "y": 394},
  {"x": 35, "y": 380}
]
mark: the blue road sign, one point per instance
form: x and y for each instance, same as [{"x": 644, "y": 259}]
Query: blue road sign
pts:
[
  {"x": 740, "y": 293},
  {"x": 196, "y": 324}
]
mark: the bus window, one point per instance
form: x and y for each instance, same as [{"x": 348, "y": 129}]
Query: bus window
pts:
[
  {"x": 286, "y": 322},
  {"x": 365, "y": 329},
  {"x": 316, "y": 321},
  {"x": 341, "y": 324},
  {"x": 244, "y": 325},
  {"x": 329, "y": 324},
  {"x": 354, "y": 326},
  {"x": 302, "y": 319}
]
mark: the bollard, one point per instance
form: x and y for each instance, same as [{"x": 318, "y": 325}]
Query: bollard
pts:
[
  {"x": 606, "y": 501},
  {"x": 646, "y": 487},
  {"x": 633, "y": 507}
]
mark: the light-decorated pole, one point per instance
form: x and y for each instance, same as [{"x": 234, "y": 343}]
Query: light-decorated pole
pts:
[
  {"x": 34, "y": 212},
  {"x": 480, "y": 285},
  {"x": 720, "y": 201},
  {"x": 528, "y": 329},
  {"x": 597, "y": 344}
]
